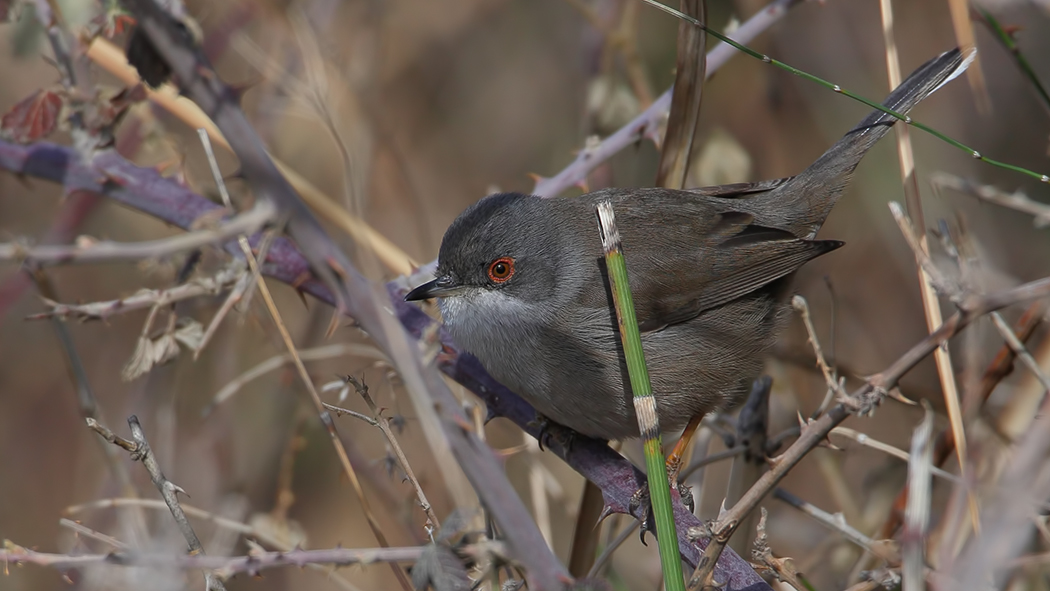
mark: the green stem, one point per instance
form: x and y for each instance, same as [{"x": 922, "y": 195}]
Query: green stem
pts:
[
  {"x": 1011, "y": 45},
  {"x": 644, "y": 401},
  {"x": 835, "y": 87}
]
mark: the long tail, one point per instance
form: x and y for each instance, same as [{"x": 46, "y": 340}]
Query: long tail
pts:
[{"x": 804, "y": 202}]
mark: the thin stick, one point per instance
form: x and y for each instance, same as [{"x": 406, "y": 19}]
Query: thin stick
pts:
[
  {"x": 838, "y": 523},
  {"x": 869, "y": 441},
  {"x": 1017, "y": 200},
  {"x": 1020, "y": 350},
  {"x": 834, "y": 384},
  {"x": 87, "y": 532},
  {"x": 145, "y": 298},
  {"x": 231, "y": 565},
  {"x": 917, "y": 513},
  {"x": 278, "y": 361},
  {"x": 384, "y": 425},
  {"x": 644, "y": 401},
  {"x": 140, "y": 451},
  {"x": 114, "y": 252}
]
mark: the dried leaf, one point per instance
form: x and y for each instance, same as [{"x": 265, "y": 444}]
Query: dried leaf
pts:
[
  {"x": 34, "y": 118},
  {"x": 190, "y": 333},
  {"x": 148, "y": 353},
  {"x": 440, "y": 569}
]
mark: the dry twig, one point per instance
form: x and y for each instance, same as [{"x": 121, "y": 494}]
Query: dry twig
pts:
[
  {"x": 383, "y": 424},
  {"x": 140, "y": 450}
]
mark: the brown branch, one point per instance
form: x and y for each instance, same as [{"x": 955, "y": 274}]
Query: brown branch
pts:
[
  {"x": 140, "y": 450},
  {"x": 683, "y": 120}
]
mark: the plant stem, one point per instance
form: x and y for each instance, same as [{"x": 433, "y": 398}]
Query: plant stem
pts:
[{"x": 644, "y": 401}]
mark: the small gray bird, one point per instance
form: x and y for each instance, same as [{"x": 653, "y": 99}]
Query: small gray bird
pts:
[{"x": 521, "y": 282}]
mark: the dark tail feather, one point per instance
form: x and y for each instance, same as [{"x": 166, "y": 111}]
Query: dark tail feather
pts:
[{"x": 806, "y": 200}]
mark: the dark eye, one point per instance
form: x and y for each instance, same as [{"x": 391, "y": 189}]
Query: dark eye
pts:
[{"x": 501, "y": 269}]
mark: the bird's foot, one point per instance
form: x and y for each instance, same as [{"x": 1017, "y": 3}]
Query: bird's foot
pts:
[
  {"x": 550, "y": 431},
  {"x": 641, "y": 500}
]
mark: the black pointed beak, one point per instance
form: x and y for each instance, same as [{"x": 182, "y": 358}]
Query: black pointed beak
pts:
[{"x": 440, "y": 287}]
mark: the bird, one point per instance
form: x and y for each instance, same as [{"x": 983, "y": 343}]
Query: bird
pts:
[{"x": 522, "y": 285}]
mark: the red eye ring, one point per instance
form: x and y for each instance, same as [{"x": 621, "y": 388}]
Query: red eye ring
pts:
[{"x": 501, "y": 269}]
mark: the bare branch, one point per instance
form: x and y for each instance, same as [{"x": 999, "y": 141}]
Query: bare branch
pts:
[
  {"x": 1016, "y": 200},
  {"x": 837, "y": 522},
  {"x": 1020, "y": 350},
  {"x": 231, "y": 565},
  {"x": 140, "y": 451},
  {"x": 146, "y": 298},
  {"x": 89, "y": 251}
]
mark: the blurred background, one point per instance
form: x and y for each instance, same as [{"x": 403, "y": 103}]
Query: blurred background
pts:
[{"x": 406, "y": 112}]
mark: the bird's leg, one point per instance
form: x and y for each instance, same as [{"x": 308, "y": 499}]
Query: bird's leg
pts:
[{"x": 674, "y": 461}]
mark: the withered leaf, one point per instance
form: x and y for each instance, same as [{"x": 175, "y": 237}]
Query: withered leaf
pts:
[{"x": 35, "y": 117}]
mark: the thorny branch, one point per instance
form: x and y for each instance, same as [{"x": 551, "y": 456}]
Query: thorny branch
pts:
[
  {"x": 146, "y": 298},
  {"x": 227, "y": 566},
  {"x": 383, "y": 424},
  {"x": 860, "y": 401},
  {"x": 140, "y": 450}
]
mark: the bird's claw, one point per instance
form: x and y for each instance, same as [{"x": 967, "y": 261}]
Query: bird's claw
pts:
[
  {"x": 641, "y": 499},
  {"x": 551, "y": 431}
]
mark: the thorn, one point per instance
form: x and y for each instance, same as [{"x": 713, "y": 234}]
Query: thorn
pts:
[
  {"x": 607, "y": 510},
  {"x": 899, "y": 397},
  {"x": 302, "y": 298},
  {"x": 300, "y": 279},
  {"x": 828, "y": 444},
  {"x": 582, "y": 184},
  {"x": 489, "y": 415},
  {"x": 536, "y": 178}
]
